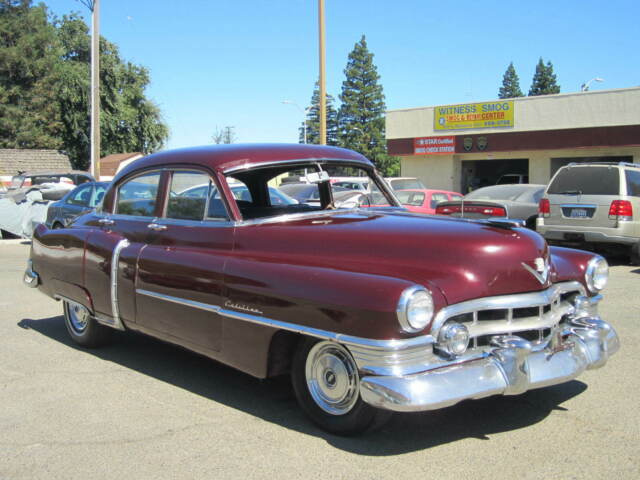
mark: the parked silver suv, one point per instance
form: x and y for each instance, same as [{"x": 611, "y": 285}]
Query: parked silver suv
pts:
[{"x": 593, "y": 204}]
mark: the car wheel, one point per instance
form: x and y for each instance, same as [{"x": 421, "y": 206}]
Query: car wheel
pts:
[
  {"x": 327, "y": 386},
  {"x": 82, "y": 327}
]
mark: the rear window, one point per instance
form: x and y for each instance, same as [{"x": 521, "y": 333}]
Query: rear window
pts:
[{"x": 586, "y": 181}]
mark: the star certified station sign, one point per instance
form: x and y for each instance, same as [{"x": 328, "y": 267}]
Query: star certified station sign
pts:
[
  {"x": 434, "y": 145},
  {"x": 498, "y": 114}
]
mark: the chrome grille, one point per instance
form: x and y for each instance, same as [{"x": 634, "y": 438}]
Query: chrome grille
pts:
[{"x": 535, "y": 323}]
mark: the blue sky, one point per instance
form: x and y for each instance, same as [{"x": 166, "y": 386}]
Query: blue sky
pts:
[{"x": 217, "y": 63}]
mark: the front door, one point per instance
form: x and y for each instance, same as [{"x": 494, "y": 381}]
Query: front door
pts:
[{"x": 180, "y": 284}]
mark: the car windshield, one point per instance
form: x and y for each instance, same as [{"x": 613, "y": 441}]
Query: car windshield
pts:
[
  {"x": 303, "y": 188},
  {"x": 590, "y": 180}
]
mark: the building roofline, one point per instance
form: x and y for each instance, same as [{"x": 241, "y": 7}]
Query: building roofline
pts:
[{"x": 522, "y": 99}]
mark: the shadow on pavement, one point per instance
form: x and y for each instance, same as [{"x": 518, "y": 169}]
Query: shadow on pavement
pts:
[{"x": 273, "y": 400}]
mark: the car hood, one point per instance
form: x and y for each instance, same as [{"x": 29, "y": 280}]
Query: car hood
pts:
[{"x": 461, "y": 258}]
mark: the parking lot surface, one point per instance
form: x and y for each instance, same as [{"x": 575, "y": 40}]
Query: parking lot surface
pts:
[{"x": 141, "y": 408}]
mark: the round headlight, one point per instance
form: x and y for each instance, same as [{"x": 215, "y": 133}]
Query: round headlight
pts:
[
  {"x": 415, "y": 309},
  {"x": 453, "y": 338},
  {"x": 597, "y": 274}
]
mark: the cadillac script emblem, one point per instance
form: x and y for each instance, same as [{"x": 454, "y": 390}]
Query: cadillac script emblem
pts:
[{"x": 540, "y": 270}]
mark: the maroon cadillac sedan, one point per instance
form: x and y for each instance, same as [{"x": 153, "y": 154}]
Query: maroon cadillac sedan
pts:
[{"x": 369, "y": 309}]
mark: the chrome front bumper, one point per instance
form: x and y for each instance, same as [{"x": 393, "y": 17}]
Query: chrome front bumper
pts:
[{"x": 511, "y": 367}]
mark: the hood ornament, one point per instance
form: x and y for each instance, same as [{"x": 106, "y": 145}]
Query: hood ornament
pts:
[{"x": 541, "y": 271}]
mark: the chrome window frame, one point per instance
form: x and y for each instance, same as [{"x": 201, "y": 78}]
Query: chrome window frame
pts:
[
  {"x": 126, "y": 180},
  {"x": 372, "y": 175}
]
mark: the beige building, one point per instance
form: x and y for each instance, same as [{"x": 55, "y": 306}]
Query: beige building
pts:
[{"x": 466, "y": 146}]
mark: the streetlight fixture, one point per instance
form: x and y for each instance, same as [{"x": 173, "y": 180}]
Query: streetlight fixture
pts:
[
  {"x": 585, "y": 86},
  {"x": 304, "y": 112}
]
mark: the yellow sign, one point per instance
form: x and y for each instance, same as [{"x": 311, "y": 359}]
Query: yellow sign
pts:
[{"x": 498, "y": 114}]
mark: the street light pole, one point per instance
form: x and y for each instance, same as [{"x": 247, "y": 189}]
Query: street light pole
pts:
[
  {"x": 322, "y": 81},
  {"x": 585, "y": 86},
  {"x": 95, "y": 90},
  {"x": 94, "y": 160}
]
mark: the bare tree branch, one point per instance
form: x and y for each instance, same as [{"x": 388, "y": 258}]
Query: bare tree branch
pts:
[{"x": 87, "y": 3}]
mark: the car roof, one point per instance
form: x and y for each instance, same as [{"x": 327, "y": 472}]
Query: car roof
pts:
[{"x": 227, "y": 158}]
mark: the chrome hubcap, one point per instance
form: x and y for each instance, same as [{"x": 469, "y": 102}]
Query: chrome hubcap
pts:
[
  {"x": 78, "y": 317},
  {"x": 332, "y": 378}
]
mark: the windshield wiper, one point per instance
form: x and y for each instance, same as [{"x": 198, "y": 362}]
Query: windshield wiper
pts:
[{"x": 571, "y": 192}]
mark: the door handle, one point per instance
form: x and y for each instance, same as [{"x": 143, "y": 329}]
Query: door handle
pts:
[
  {"x": 106, "y": 221},
  {"x": 156, "y": 227}
]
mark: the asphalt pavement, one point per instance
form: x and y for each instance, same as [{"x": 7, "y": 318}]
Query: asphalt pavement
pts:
[{"x": 142, "y": 409}]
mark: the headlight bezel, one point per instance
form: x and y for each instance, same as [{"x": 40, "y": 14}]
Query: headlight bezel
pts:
[
  {"x": 408, "y": 297},
  {"x": 594, "y": 268}
]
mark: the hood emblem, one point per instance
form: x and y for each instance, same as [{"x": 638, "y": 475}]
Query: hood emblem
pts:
[{"x": 541, "y": 271}]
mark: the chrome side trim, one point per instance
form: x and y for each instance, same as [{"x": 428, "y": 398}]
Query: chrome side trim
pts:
[
  {"x": 115, "y": 263},
  {"x": 388, "y": 346},
  {"x": 180, "y": 301}
]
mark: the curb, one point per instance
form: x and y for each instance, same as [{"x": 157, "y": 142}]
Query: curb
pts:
[{"x": 15, "y": 241}]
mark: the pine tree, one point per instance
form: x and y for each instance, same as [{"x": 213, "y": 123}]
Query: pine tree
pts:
[
  {"x": 313, "y": 120},
  {"x": 510, "y": 84},
  {"x": 361, "y": 117},
  {"x": 544, "y": 80}
]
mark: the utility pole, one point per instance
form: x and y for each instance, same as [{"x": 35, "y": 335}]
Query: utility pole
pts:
[
  {"x": 95, "y": 90},
  {"x": 94, "y": 161},
  {"x": 321, "y": 82}
]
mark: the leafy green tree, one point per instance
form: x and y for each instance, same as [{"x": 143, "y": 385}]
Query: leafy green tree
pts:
[
  {"x": 45, "y": 87},
  {"x": 361, "y": 116},
  {"x": 510, "y": 84},
  {"x": 129, "y": 122},
  {"x": 544, "y": 80},
  {"x": 313, "y": 120},
  {"x": 29, "y": 60}
]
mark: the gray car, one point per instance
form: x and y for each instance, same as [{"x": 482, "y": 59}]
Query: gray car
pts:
[
  {"x": 78, "y": 201},
  {"x": 594, "y": 205},
  {"x": 518, "y": 202}
]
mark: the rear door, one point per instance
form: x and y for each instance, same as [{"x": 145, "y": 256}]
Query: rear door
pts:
[
  {"x": 581, "y": 196},
  {"x": 114, "y": 244}
]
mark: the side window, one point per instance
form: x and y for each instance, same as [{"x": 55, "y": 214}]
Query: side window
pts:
[
  {"x": 193, "y": 196},
  {"x": 633, "y": 183},
  {"x": 138, "y": 196},
  {"x": 81, "y": 197},
  {"x": 98, "y": 195}
]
